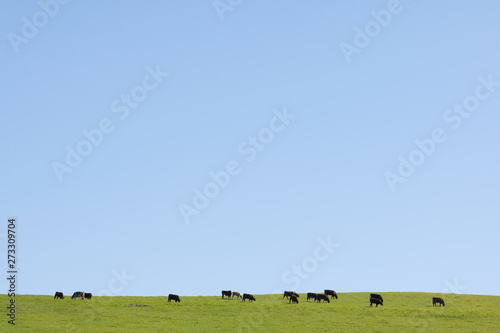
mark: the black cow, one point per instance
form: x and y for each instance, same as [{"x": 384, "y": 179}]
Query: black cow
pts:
[
  {"x": 58, "y": 295},
  {"x": 88, "y": 296},
  {"x": 376, "y": 301},
  {"x": 226, "y": 293},
  {"x": 76, "y": 294},
  {"x": 312, "y": 295},
  {"x": 331, "y": 293},
  {"x": 323, "y": 297},
  {"x": 174, "y": 298},
  {"x": 249, "y": 297},
  {"x": 237, "y": 294},
  {"x": 437, "y": 300},
  {"x": 287, "y": 294},
  {"x": 293, "y": 299},
  {"x": 377, "y": 296}
]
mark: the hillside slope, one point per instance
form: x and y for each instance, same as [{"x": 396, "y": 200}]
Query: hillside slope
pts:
[{"x": 402, "y": 312}]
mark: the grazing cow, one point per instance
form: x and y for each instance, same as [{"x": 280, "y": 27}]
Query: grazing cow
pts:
[
  {"x": 174, "y": 297},
  {"x": 377, "y": 296},
  {"x": 287, "y": 294},
  {"x": 331, "y": 293},
  {"x": 437, "y": 300},
  {"x": 312, "y": 295},
  {"x": 376, "y": 301},
  {"x": 58, "y": 295},
  {"x": 294, "y": 299},
  {"x": 323, "y": 297},
  {"x": 76, "y": 294},
  {"x": 88, "y": 296},
  {"x": 237, "y": 294},
  {"x": 226, "y": 293},
  {"x": 249, "y": 297}
]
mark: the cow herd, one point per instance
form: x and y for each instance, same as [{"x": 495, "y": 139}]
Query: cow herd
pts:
[
  {"x": 291, "y": 296},
  {"x": 76, "y": 294},
  {"x": 243, "y": 298}
]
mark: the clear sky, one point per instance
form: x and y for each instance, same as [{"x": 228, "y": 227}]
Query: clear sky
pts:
[{"x": 156, "y": 147}]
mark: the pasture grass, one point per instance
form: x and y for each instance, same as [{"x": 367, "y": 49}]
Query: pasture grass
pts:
[{"x": 402, "y": 312}]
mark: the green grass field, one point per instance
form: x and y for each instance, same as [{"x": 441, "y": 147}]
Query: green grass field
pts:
[{"x": 402, "y": 312}]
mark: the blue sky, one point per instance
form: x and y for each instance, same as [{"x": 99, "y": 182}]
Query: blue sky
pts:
[{"x": 253, "y": 146}]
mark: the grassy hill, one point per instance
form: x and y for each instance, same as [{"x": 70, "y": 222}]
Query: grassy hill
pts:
[{"x": 402, "y": 312}]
